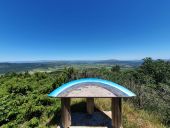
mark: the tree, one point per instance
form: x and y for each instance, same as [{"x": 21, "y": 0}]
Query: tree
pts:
[
  {"x": 71, "y": 73},
  {"x": 115, "y": 68}
]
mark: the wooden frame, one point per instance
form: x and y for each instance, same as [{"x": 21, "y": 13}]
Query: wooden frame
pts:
[
  {"x": 116, "y": 108},
  {"x": 65, "y": 112},
  {"x": 90, "y": 105}
]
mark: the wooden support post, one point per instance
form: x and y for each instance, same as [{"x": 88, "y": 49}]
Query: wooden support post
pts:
[
  {"x": 65, "y": 112},
  {"x": 90, "y": 105},
  {"x": 116, "y": 112}
]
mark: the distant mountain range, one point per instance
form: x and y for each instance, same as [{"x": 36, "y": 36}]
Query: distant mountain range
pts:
[{"x": 32, "y": 65}]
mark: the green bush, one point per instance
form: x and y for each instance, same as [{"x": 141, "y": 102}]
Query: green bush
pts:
[
  {"x": 34, "y": 122},
  {"x": 19, "y": 89}
]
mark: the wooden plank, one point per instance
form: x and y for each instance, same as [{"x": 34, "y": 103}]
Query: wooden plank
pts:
[
  {"x": 65, "y": 112},
  {"x": 116, "y": 107},
  {"x": 90, "y": 105}
]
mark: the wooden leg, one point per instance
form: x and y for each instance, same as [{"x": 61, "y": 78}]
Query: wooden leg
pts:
[
  {"x": 90, "y": 105},
  {"x": 116, "y": 112},
  {"x": 65, "y": 112}
]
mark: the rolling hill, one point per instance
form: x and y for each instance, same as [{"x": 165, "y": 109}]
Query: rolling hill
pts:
[{"x": 45, "y": 65}]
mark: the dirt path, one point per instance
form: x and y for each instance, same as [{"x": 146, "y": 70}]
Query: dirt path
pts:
[{"x": 96, "y": 120}]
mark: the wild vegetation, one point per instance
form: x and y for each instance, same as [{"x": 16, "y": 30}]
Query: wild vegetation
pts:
[{"x": 24, "y": 101}]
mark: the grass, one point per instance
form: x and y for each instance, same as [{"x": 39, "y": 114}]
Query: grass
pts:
[
  {"x": 139, "y": 118},
  {"x": 132, "y": 117}
]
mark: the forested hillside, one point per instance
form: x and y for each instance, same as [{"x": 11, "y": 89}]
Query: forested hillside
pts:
[{"x": 24, "y": 101}]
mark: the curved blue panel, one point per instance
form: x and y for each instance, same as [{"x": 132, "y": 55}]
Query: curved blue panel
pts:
[{"x": 62, "y": 88}]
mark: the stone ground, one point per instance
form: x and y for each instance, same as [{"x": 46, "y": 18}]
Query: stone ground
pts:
[{"x": 96, "y": 120}]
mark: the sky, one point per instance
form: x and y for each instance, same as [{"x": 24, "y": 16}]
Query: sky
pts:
[{"x": 84, "y": 29}]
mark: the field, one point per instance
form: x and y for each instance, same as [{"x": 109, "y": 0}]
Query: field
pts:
[{"x": 49, "y": 66}]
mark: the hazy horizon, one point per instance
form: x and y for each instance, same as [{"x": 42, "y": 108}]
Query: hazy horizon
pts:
[{"x": 29, "y": 61}]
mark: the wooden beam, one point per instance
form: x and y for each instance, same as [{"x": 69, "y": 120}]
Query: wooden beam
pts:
[
  {"x": 65, "y": 112},
  {"x": 90, "y": 105},
  {"x": 116, "y": 112}
]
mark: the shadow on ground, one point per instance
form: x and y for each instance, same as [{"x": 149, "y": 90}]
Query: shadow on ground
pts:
[{"x": 80, "y": 117}]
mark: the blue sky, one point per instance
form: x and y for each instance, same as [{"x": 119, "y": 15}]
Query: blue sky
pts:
[{"x": 84, "y": 29}]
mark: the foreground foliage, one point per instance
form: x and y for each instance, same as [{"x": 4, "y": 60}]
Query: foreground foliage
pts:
[{"x": 24, "y": 101}]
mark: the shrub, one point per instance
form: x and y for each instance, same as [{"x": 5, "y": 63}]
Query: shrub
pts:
[{"x": 34, "y": 122}]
